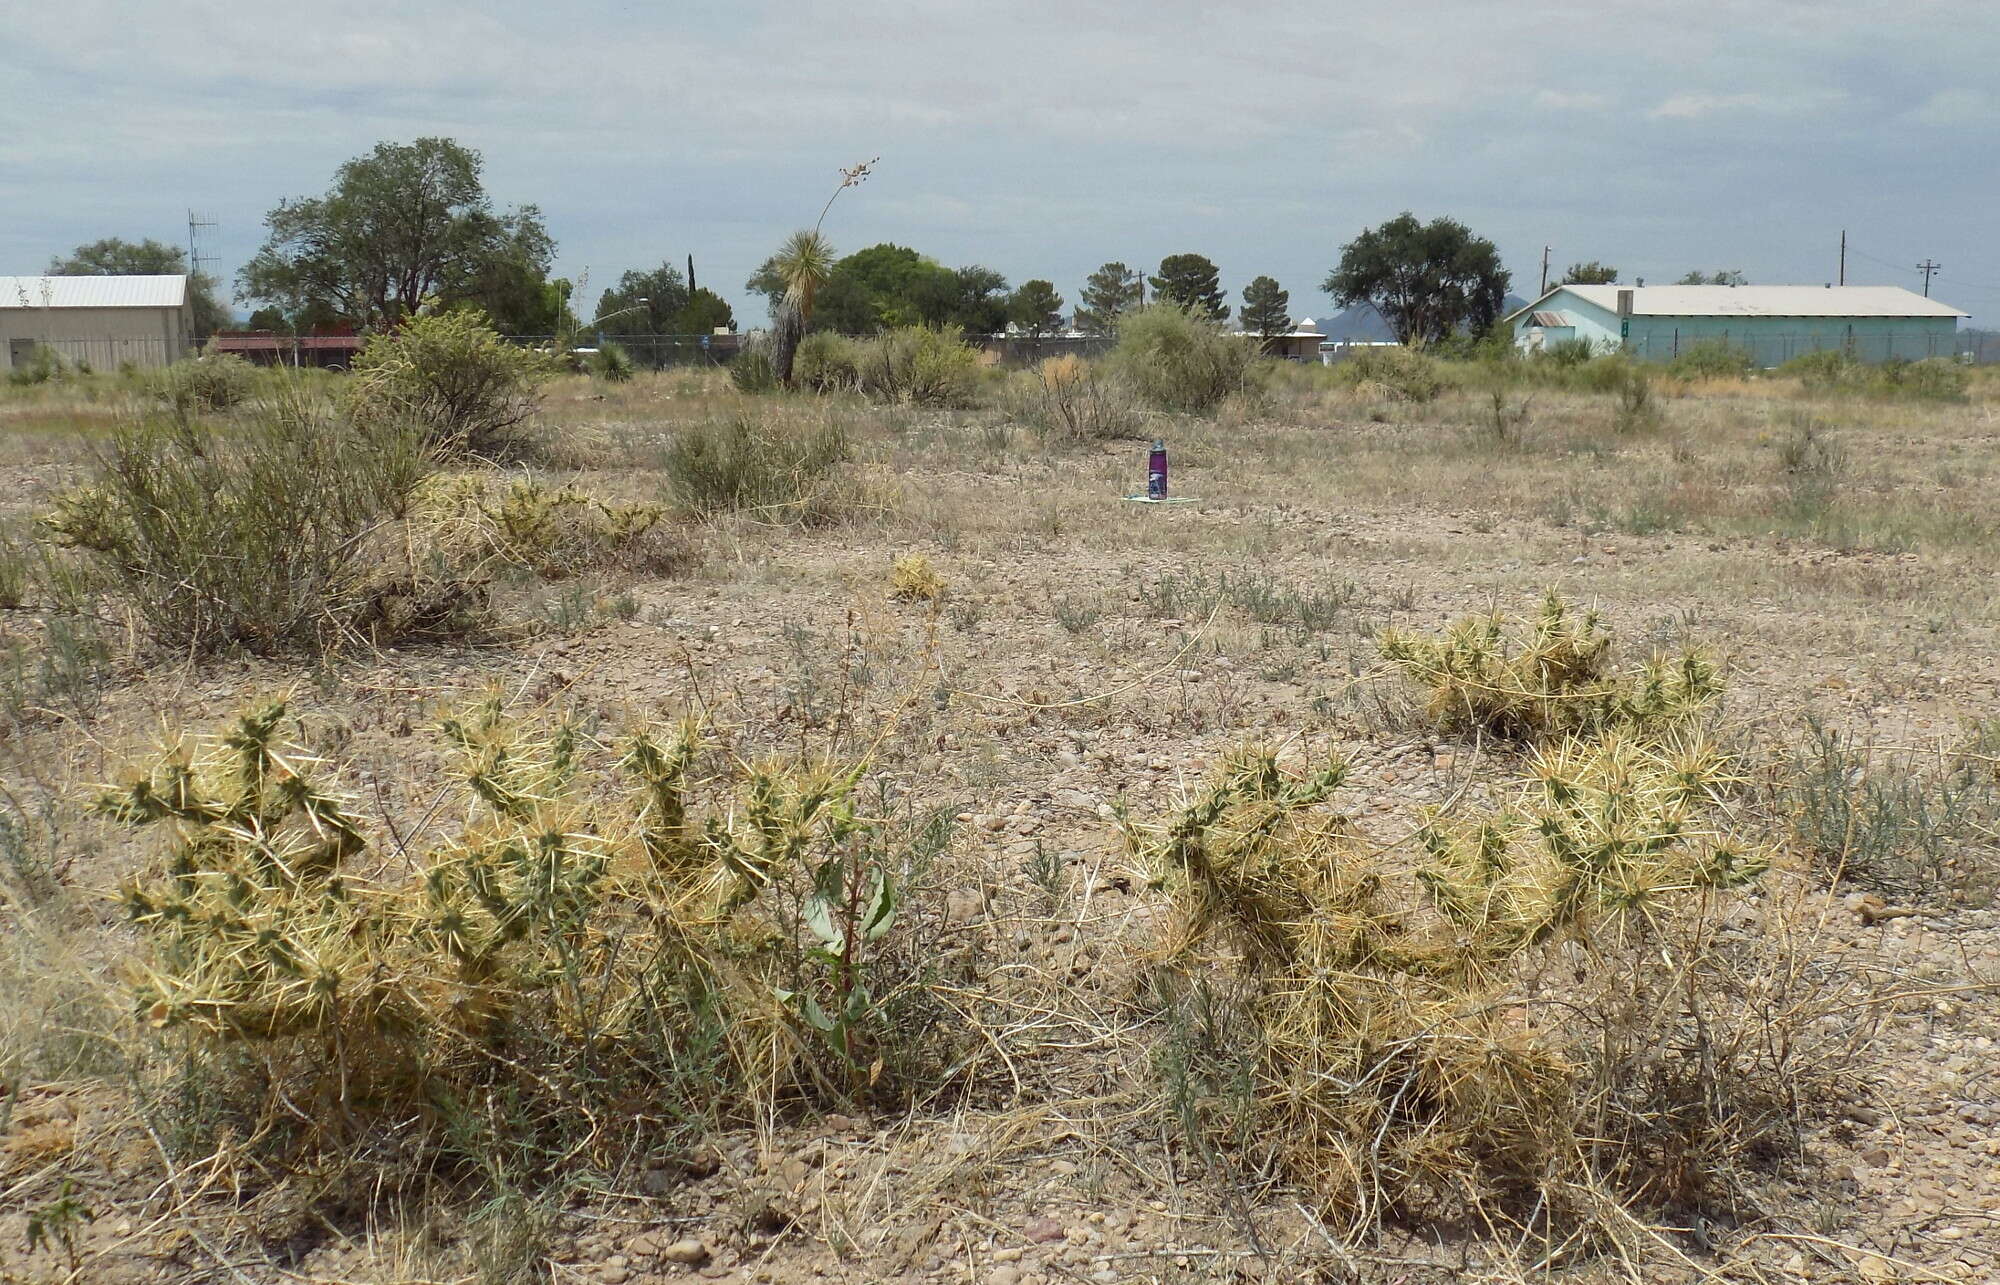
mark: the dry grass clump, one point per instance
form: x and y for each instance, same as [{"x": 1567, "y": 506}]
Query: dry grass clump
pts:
[
  {"x": 912, "y": 578},
  {"x": 1534, "y": 1016},
  {"x": 1529, "y": 679},
  {"x": 608, "y": 959},
  {"x": 1071, "y": 400},
  {"x": 773, "y": 470}
]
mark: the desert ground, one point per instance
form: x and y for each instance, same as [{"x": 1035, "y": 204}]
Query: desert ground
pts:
[{"x": 1072, "y": 657}]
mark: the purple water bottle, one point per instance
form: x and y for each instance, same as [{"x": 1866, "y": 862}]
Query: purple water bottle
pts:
[{"x": 1156, "y": 471}]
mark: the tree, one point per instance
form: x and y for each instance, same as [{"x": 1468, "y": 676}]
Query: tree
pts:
[
  {"x": 1109, "y": 291},
  {"x": 666, "y": 294},
  {"x": 1191, "y": 283},
  {"x": 407, "y": 222},
  {"x": 115, "y": 257},
  {"x": 1426, "y": 280},
  {"x": 1036, "y": 308},
  {"x": 1590, "y": 274},
  {"x": 705, "y": 312},
  {"x": 1264, "y": 306},
  {"x": 981, "y": 308},
  {"x": 804, "y": 263},
  {"x": 1726, "y": 277}
]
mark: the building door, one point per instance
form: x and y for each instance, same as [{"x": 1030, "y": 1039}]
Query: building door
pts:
[{"x": 19, "y": 353}]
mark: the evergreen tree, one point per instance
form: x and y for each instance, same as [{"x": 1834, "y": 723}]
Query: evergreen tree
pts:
[
  {"x": 1036, "y": 308},
  {"x": 1111, "y": 290},
  {"x": 1264, "y": 306},
  {"x": 1191, "y": 282}
]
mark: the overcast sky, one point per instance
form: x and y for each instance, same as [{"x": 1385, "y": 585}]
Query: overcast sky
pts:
[{"x": 1043, "y": 138}]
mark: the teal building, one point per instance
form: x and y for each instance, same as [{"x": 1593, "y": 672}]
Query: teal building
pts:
[{"x": 1773, "y": 323}]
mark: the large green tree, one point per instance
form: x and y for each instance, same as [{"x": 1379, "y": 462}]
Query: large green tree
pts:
[
  {"x": 1264, "y": 304},
  {"x": 666, "y": 294},
  {"x": 704, "y": 313},
  {"x": 1036, "y": 308},
  {"x": 116, "y": 257},
  {"x": 893, "y": 285},
  {"x": 1590, "y": 274},
  {"x": 1427, "y": 280},
  {"x": 1109, "y": 291},
  {"x": 405, "y": 223},
  {"x": 1191, "y": 282}
]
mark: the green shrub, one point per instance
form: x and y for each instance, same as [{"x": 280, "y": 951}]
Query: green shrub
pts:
[
  {"x": 198, "y": 384},
  {"x": 453, "y": 378},
  {"x": 1711, "y": 359},
  {"x": 776, "y": 472},
  {"x": 827, "y": 362},
  {"x": 611, "y": 363},
  {"x": 551, "y": 531},
  {"x": 42, "y": 366},
  {"x": 1826, "y": 370},
  {"x": 1178, "y": 362},
  {"x": 1636, "y": 411},
  {"x": 751, "y": 370},
  {"x": 918, "y": 366},
  {"x": 1567, "y": 353},
  {"x": 257, "y": 538},
  {"x": 1392, "y": 372},
  {"x": 1934, "y": 379}
]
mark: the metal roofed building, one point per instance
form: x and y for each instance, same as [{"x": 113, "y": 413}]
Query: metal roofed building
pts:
[
  {"x": 102, "y": 321},
  {"x": 1773, "y": 323}
]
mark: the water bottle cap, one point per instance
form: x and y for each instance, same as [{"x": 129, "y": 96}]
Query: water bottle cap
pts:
[{"x": 1159, "y": 443}]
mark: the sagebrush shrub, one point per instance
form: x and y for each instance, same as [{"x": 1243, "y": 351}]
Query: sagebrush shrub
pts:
[
  {"x": 454, "y": 379},
  {"x": 1177, "y": 362},
  {"x": 198, "y": 384},
  {"x": 1393, "y": 372},
  {"x": 771, "y": 469},
  {"x": 827, "y": 362},
  {"x": 751, "y": 370},
  {"x": 258, "y": 538},
  {"x": 1711, "y": 359},
  {"x": 918, "y": 366}
]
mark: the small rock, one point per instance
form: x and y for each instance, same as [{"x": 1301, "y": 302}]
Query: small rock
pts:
[
  {"x": 1004, "y": 1275},
  {"x": 690, "y": 1251},
  {"x": 962, "y": 905},
  {"x": 1043, "y": 1231}
]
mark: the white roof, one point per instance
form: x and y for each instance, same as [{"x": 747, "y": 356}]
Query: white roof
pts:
[
  {"x": 1761, "y": 301},
  {"x": 93, "y": 292}
]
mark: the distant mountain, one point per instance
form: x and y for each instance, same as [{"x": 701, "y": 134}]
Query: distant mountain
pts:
[{"x": 1362, "y": 322}]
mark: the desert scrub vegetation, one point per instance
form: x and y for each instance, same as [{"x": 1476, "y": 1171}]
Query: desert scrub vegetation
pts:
[
  {"x": 771, "y": 468},
  {"x": 1531, "y": 1017},
  {"x": 827, "y": 362},
  {"x": 195, "y": 385},
  {"x": 548, "y": 530},
  {"x": 1835, "y": 372},
  {"x": 620, "y": 921},
  {"x": 1175, "y": 361},
  {"x": 610, "y": 363},
  {"x": 1711, "y": 359},
  {"x": 1546, "y": 676},
  {"x": 918, "y": 366},
  {"x": 257, "y": 538},
  {"x": 1392, "y": 373},
  {"x": 1068, "y": 399},
  {"x": 467, "y": 391}
]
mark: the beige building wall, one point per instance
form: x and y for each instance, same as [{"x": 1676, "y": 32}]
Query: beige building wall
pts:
[{"x": 103, "y": 337}]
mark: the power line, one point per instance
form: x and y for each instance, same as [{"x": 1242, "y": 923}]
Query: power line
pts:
[{"x": 1927, "y": 268}]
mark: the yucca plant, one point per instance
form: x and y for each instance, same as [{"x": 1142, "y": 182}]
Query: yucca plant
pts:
[
  {"x": 1549, "y": 675},
  {"x": 803, "y": 263}
]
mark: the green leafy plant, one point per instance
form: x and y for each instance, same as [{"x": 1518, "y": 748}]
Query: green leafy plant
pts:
[
  {"x": 611, "y": 363},
  {"x": 452, "y": 377},
  {"x": 1176, "y": 361},
  {"x": 1393, "y": 373},
  {"x": 1711, "y": 359},
  {"x": 751, "y": 370},
  {"x": 198, "y": 384},
  {"x": 918, "y": 366},
  {"x": 58, "y": 1222},
  {"x": 827, "y": 363}
]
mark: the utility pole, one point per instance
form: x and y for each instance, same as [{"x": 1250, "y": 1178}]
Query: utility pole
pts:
[
  {"x": 1927, "y": 267},
  {"x": 1545, "y": 270},
  {"x": 1843, "y": 256}
]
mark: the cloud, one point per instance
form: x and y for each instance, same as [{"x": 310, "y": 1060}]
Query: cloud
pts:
[
  {"x": 1953, "y": 107},
  {"x": 1699, "y": 106},
  {"x": 1561, "y": 100}
]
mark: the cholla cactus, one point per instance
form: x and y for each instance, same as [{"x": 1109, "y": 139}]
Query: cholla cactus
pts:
[
  {"x": 1392, "y": 1064},
  {"x": 1548, "y": 676}
]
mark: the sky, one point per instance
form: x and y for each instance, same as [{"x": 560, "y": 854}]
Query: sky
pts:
[{"x": 1045, "y": 137}]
